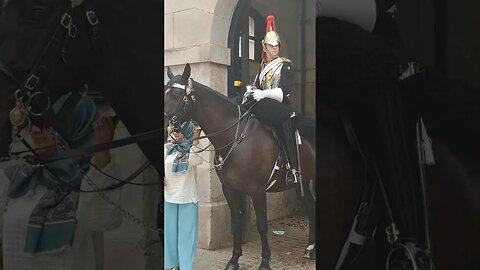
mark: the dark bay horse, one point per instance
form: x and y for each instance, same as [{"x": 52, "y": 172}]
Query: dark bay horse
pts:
[{"x": 249, "y": 164}]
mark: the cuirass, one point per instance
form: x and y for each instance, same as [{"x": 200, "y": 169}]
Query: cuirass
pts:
[{"x": 272, "y": 78}]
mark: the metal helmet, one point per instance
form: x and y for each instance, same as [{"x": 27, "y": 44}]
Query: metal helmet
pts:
[{"x": 271, "y": 36}]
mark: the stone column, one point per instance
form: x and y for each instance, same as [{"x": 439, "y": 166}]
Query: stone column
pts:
[{"x": 196, "y": 32}]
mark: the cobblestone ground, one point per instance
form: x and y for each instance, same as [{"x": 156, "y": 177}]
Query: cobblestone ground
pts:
[{"x": 287, "y": 250}]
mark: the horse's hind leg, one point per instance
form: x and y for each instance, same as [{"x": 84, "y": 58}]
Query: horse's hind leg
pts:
[
  {"x": 309, "y": 203},
  {"x": 234, "y": 200},
  {"x": 260, "y": 204}
]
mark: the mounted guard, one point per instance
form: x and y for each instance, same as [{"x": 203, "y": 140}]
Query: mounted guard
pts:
[{"x": 271, "y": 89}]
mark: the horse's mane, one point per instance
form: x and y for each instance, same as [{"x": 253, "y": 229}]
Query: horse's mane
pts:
[
  {"x": 216, "y": 93},
  {"x": 230, "y": 104}
]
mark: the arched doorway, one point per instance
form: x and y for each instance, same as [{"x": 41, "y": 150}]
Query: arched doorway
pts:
[{"x": 246, "y": 32}]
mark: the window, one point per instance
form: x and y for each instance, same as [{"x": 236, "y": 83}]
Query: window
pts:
[{"x": 255, "y": 36}]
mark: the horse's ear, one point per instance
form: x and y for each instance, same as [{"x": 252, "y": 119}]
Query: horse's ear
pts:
[
  {"x": 186, "y": 73},
  {"x": 170, "y": 73}
]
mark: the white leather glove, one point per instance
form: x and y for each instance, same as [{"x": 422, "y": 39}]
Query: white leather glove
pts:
[
  {"x": 275, "y": 94},
  {"x": 251, "y": 87},
  {"x": 258, "y": 95},
  {"x": 246, "y": 95}
]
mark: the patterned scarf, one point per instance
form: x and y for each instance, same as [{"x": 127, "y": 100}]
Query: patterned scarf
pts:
[
  {"x": 182, "y": 149},
  {"x": 51, "y": 225}
]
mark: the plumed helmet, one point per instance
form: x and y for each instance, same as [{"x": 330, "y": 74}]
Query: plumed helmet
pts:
[{"x": 271, "y": 36}]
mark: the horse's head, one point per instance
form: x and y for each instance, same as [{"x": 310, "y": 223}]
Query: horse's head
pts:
[
  {"x": 178, "y": 100},
  {"x": 27, "y": 27},
  {"x": 49, "y": 39}
]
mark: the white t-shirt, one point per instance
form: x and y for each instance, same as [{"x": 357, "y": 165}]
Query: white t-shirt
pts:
[{"x": 181, "y": 188}]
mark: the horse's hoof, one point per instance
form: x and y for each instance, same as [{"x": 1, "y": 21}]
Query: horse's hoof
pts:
[
  {"x": 231, "y": 266},
  {"x": 310, "y": 254}
]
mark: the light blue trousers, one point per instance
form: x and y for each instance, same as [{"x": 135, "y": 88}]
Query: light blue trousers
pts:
[{"x": 181, "y": 234}]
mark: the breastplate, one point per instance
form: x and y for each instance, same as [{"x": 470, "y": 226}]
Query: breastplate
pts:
[{"x": 272, "y": 78}]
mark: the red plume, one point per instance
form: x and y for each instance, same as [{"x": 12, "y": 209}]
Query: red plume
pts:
[{"x": 270, "y": 24}]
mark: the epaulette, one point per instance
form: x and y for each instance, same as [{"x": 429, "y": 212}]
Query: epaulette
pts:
[{"x": 286, "y": 59}]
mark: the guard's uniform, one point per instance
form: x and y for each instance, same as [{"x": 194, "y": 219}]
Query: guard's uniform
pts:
[
  {"x": 276, "y": 74},
  {"x": 271, "y": 89}
]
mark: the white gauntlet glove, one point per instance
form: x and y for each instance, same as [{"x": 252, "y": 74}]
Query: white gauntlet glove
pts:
[
  {"x": 248, "y": 93},
  {"x": 275, "y": 94},
  {"x": 251, "y": 87}
]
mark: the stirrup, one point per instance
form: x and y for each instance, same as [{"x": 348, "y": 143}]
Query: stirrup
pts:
[
  {"x": 293, "y": 177},
  {"x": 410, "y": 257}
]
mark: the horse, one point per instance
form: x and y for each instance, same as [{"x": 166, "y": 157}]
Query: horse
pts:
[
  {"x": 104, "y": 49},
  {"x": 352, "y": 72},
  {"x": 248, "y": 153}
]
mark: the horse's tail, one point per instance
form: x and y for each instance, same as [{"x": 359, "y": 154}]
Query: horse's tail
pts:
[{"x": 306, "y": 127}]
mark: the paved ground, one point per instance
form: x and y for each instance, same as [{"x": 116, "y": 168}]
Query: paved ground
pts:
[{"x": 287, "y": 250}]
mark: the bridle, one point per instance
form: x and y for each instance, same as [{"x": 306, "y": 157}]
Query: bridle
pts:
[
  {"x": 33, "y": 97},
  {"x": 182, "y": 107}
]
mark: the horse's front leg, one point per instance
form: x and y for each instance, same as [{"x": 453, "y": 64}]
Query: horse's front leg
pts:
[
  {"x": 234, "y": 200},
  {"x": 260, "y": 204}
]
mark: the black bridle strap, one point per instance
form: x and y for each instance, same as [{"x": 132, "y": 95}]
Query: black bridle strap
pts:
[
  {"x": 51, "y": 54},
  {"x": 131, "y": 177},
  {"x": 95, "y": 29},
  {"x": 128, "y": 180},
  {"x": 101, "y": 147},
  {"x": 111, "y": 187}
]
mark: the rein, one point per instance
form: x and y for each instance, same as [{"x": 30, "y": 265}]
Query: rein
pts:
[
  {"x": 149, "y": 135},
  {"x": 216, "y": 133}
]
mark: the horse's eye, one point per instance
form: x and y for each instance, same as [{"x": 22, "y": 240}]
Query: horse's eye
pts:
[
  {"x": 39, "y": 9},
  {"x": 38, "y": 12},
  {"x": 176, "y": 93}
]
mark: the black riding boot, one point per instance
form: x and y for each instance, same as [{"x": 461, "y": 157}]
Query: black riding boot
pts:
[
  {"x": 403, "y": 184},
  {"x": 290, "y": 145}
]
